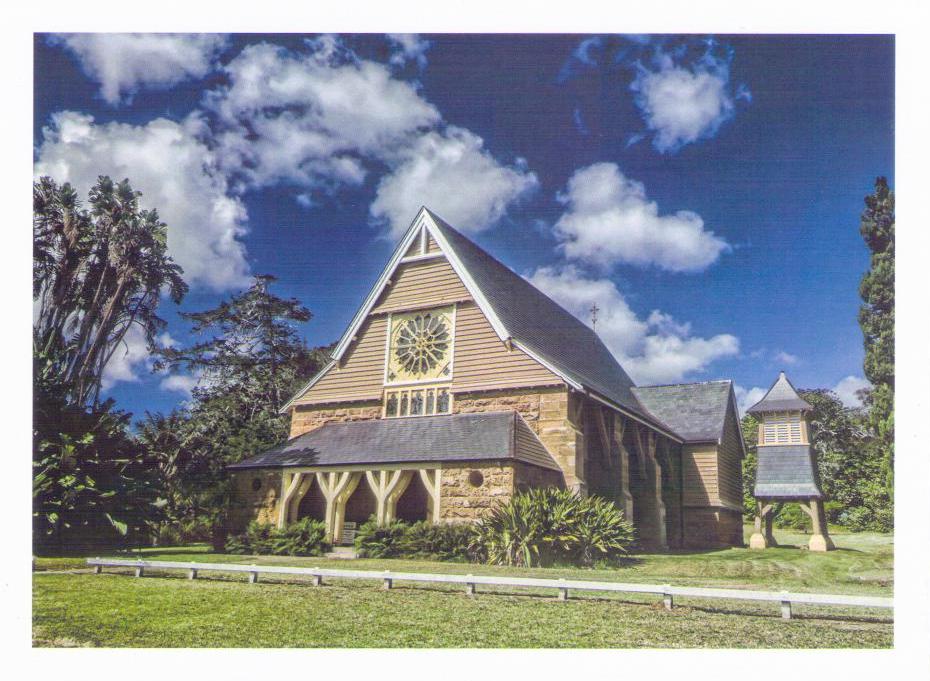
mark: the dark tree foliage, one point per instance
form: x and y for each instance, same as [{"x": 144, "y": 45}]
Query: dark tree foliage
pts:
[
  {"x": 849, "y": 466},
  {"x": 92, "y": 486},
  {"x": 96, "y": 273},
  {"x": 876, "y": 318},
  {"x": 250, "y": 362}
]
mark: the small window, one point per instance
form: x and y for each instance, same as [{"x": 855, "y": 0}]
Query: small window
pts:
[
  {"x": 475, "y": 479},
  {"x": 403, "y": 404},
  {"x": 390, "y": 409},
  {"x": 256, "y": 484},
  {"x": 442, "y": 402},
  {"x": 416, "y": 403}
]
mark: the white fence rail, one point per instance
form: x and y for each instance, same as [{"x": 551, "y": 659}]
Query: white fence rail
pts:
[{"x": 667, "y": 591}]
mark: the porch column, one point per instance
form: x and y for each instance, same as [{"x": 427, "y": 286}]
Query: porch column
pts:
[
  {"x": 432, "y": 480},
  {"x": 289, "y": 483},
  {"x": 390, "y": 502},
  {"x": 384, "y": 485},
  {"x": 334, "y": 485}
]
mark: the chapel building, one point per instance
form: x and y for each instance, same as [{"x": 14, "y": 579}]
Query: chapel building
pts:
[{"x": 459, "y": 383}]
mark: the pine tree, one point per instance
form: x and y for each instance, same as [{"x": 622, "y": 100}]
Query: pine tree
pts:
[{"x": 876, "y": 318}]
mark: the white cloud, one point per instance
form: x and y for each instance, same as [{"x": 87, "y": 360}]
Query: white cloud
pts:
[
  {"x": 783, "y": 357},
  {"x": 609, "y": 220},
  {"x": 847, "y": 388},
  {"x": 683, "y": 103},
  {"x": 408, "y": 47},
  {"x": 310, "y": 119},
  {"x": 124, "y": 63},
  {"x": 655, "y": 350},
  {"x": 179, "y": 383},
  {"x": 747, "y": 398},
  {"x": 454, "y": 175},
  {"x": 176, "y": 174},
  {"x": 130, "y": 357}
]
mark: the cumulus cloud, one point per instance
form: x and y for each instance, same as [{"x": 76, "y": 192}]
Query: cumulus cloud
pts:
[
  {"x": 311, "y": 118},
  {"x": 179, "y": 383},
  {"x": 452, "y": 173},
  {"x": 657, "y": 349},
  {"x": 683, "y": 102},
  {"x": 124, "y": 63},
  {"x": 129, "y": 358},
  {"x": 609, "y": 220},
  {"x": 746, "y": 398},
  {"x": 848, "y": 388},
  {"x": 787, "y": 358},
  {"x": 408, "y": 47},
  {"x": 176, "y": 174}
]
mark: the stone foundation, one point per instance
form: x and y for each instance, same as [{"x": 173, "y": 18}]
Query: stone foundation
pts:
[
  {"x": 707, "y": 527},
  {"x": 248, "y": 504},
  {"x": 307, "y": 418},
  {"x": 462, "y": 501}
]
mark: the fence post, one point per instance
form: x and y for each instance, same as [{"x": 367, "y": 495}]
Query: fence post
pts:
[
  {"x": 98, "y": 568},
  {"x": 785, "y": 606},
  {"x": 316, "y": 580},
  {"x": 469, "y": 588},
  {"x": 388, "y": 582},
  {"x": 253, "y": 576},
  {"x": 563, "y": 591},
  {"x": 667, "y": 597},
  {"x": 140, "y": 571},
  {"x": 192, "y": 574}
]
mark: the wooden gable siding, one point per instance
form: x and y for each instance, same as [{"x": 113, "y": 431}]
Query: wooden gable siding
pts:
[
  {"x": 362, "y": 374},
  {"x": 482, "y": 361},
  {"x": 731, "y": 469},
  {"x": 431, "y": 245},
  {"x": 699, "y": 470},
  {"x": 426, "y": 283}
]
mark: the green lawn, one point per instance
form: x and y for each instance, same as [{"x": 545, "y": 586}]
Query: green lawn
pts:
[{"x": 221, "y": 610}]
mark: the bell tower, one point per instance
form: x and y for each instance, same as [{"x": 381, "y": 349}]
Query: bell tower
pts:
[{"x": 787, "y": 466}]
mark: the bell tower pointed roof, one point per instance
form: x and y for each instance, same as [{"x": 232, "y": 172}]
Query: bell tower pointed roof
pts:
[{"x": 782, "y": 396}]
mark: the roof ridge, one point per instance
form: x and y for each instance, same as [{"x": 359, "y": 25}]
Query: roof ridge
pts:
[{"x": 671, "y": 385}]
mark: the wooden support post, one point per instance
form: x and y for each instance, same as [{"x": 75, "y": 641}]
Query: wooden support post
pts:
[
  {"x": 388, "y": 583},
  {"x": 140, "y": 572},
  {"x": 785, "y": 606},
  {"x": 667, "y": 599},
  {"x": 253, "y": 577},
  {"x": 290, "y": 490},
  {"x": 563, "y": 591},
  {"x": 98, "y": 569},
  {"x": 432, "y": 479},
  {"x": 316, "y": 580},
  {"x": 469, "y": 588},
  {"x": 192, "y": 574}
]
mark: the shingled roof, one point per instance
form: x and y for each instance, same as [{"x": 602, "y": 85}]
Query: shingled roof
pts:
[
  {"x": 781, "y": 397},
  {"x": 456, "y": 437},
  {"x": 696, "y": 411},
  {"x": 786, "y": 472},
  {"x": 542, "y": 326}
]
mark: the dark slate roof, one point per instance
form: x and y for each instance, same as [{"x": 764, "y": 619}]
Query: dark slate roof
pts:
[
  {"x": 696, "y": 411},
  {"x": 781, "y": 397},
  {"x": 455, "y": 437},
  {"x": 538, "y": 323},
  {"x": 786, "y": 472}
]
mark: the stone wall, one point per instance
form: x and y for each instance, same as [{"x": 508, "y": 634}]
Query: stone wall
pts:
[
  {"x": 247, "y": 503},
  {"x": 461, "y": 500},
  {"x": 307, "y": 418},
  {"x": 709, "y": 527},
  {"x": 547, "y": 412}
]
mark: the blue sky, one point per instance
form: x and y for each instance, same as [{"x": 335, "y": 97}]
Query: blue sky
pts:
[{"x": 703, "y": 191}]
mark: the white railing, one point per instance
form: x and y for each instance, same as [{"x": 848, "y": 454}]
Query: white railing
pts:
[{"x": 667, "y": 591}]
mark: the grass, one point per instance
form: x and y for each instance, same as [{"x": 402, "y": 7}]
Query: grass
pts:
[{"x": 221, "y": 610}]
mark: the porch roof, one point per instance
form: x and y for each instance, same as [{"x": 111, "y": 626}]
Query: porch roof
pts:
[
  {"x": 786, "y": 472},
  {"x": 451, "y": 437}
]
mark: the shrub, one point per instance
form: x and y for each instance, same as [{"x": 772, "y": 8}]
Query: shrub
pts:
[
  {"x": 372, "y": 541},
  {"x": 790, "y": 516},
  {"x": 437, "y": 542},
  {"x": 306, "y": 537},
  {"x": 546, "y": 526}
]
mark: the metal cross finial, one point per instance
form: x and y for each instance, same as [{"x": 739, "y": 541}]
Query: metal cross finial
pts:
[{"x": 594, "y": 310}]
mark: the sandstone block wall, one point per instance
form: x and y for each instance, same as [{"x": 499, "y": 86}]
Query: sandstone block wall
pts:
[
  {"x": 307, "y": 418},
  {"x": 248, "y": 504},
  {"x": 461, "y": 501},
  {"x": 527, "y": 476}
]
